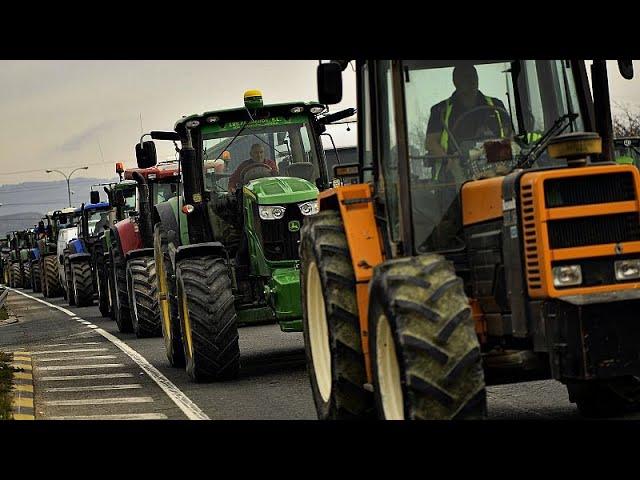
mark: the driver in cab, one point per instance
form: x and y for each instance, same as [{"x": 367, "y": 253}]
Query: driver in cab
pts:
[
  {"x": 257, "y": 155},
  {"x": 466, "y": 115}
]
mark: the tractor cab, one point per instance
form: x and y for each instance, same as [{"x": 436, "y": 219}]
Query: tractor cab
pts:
[{"x": 627, "y": 150}]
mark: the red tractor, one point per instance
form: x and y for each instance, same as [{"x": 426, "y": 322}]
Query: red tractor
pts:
[{"x": 132, "y": 267}]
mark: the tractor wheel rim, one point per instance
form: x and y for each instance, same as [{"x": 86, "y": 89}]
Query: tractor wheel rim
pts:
[
  {"x": 389, "y": 385},
  {"x": 318, "y": 332}
]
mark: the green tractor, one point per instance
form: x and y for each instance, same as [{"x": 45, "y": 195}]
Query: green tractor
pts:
[
  {"x": 228, "y": 256},
  {"x": 47, "y": 255},
  {"x": 122, "y": 198},
  {"x": 19, "y": 272},
  {"x": 5, "y": 259}
]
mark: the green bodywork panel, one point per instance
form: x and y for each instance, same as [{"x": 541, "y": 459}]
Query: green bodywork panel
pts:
[
  {"x": 283, "y": 294},
  {"x": 181, "y": 217},
  {"x": 280, "y": 190},
  {"x": 254, "y": 315}
]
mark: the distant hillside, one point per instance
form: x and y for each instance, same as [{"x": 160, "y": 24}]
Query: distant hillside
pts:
[
  {"x": 25, "y": 198},
  {"x": 18, "y": 221}
]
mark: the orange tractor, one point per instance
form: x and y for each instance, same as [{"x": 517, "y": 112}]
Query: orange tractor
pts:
[{"x": 420, "y": 288}]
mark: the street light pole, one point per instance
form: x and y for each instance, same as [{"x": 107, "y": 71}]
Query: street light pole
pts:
[{"x": 68, "y": 179}]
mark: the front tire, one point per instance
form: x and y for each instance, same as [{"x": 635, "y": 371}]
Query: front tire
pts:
[
  {"x": 332, "y": 340},
  {"x": 208, "y": 319},
  {"x": 119, "y": 281},
  {"x": 82, "y": 283},
  {"x": 52, "y": 287},
  {"x": 425, "y": 354},
  {"x": 143, "y": 297}
]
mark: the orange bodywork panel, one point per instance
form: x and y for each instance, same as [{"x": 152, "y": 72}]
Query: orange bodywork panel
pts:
[
  {"x": 355, "y": 204},
  {"x": 482, "y": 200},
  {"x": 535, "y": 217}
]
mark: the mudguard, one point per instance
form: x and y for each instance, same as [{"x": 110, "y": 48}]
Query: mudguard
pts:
[
  {"x": 140, "y": 252},
  {"x": 163, "y": 212},
  {"x": 79, "y": 257},
  {"x": 128, "y": 239},
  {"x": 209, "y": 248},
  {"x": 76, "y": 246}
]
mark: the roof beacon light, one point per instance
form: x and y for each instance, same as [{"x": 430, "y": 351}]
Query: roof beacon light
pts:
[{"x": 253, "y": 99}]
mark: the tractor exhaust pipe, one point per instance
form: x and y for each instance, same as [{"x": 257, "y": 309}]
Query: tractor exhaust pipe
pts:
[{"x": 146, "y": 231}]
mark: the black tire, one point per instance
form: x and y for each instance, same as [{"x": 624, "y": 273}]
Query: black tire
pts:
[
  {"x": 608, "y": 398},
  {"x": 68, "y": 279},
  {"x": 26, "y": 272},
  {"x": 121, "y": 298},
  {"x": 143, "y": 297},
  {"x": 52, "y": 274},
  {"x": 167, "y": 302},
  {"x": 112, "y": 290},
  {"x": 35, "y": 277},
  {"x": 102, "y": 283},
  {"x": 16, "y": 279},
  {"x": 332, "y": 340},
  {"x": 208, "y": 319},
  {"x": 82, "y": 281},
  {"x": 425, "y": 354}
]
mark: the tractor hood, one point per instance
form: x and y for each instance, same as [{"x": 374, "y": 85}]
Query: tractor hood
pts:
[{"x": 281, "y": 190}]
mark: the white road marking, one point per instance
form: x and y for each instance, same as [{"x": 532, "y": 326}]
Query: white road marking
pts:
[
  {"x": 46, "y": 352},
  {"x": 188, "y": 407},
  {"x": 89, "y": 357},
  {"x": 121, "y": 416},
  {"x": 98, "y": 401},
  {"x": 90, "y": 388},
  {"x": 78, "y": 367},
  {"x": 70, "y": 344},
  {"x": 86, "y": 377}
]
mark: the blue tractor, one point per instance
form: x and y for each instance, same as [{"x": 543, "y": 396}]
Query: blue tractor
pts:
[{"x": 82, "y": 264}]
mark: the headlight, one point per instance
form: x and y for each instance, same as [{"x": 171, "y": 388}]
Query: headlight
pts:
[
  {"x": 567, "y": 275},
  {"x": 309, "y": 208},
  {"x": 271, "y": 212},
  {"x": 627, "y": 269}
]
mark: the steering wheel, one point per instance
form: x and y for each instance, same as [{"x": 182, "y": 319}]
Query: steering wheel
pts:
[
  {"x": 254, "y": 167},
  {"x": 464, "y": 115}
]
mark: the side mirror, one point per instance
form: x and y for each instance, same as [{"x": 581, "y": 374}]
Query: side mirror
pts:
[
  {"x": 329, "y": 83},
  {"x": 146, "y": 154},
  {"x": 119, "y": 198},
  {"x": 626, "y": 69},
  {"x": 95, "y": 196}
]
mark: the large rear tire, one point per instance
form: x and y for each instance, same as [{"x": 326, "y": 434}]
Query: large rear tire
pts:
[
  {"x": 16, "y": 279},
  {"x": 208, "y": 319},
  {"x": 143, "y": 297},
  {"x": 35, "y": 277},
  {"x": 119, "y": 281},
  {"x": 68, "y": 279},
  {"x": 26, "y": 270},
  {"x": 82, "y": 283},
  {"x": 52, "y": 287},
  {"x": 425, "y": 354},
  {"x": 102, "y": 283},
  {"x": 167, "y": 302},
  {"x": 333, "y": 345}
]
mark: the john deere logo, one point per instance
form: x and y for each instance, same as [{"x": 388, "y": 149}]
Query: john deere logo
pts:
[{"x": 294, "y": 225}]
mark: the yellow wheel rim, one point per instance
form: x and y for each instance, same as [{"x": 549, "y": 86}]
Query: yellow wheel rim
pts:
[
  {"x": 162, "y": 290},
  {"x": 389, "y": 385},
  {"x": 318, "y": 332},
  {"x": 184, "y": 315}
]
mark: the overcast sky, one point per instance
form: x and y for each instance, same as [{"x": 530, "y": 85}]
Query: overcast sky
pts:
[{"x": 62, "y": 114}]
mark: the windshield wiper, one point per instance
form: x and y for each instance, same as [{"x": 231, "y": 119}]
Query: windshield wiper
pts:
[{"x": 537, "y": 148}]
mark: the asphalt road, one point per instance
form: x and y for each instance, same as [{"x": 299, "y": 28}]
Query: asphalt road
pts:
[{"x": 84, "y": 368}]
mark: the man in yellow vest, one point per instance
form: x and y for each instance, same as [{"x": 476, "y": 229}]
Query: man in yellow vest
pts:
[{"x": 466, "y": 115}]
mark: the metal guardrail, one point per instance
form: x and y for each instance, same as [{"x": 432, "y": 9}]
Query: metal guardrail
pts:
[{"x": 3, "y": 295}]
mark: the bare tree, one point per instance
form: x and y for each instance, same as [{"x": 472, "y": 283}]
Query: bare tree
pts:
[{"x": 626, "y": 120}]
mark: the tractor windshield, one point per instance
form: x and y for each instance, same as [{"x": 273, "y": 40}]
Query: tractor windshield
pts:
[
  {"x": 467, "y": 121},
  {"x": 163, "y": 191},
  {"x": 627, "y": 150},
  {"x": 285, "y": 148},
  {"x": 96, "y": 220}
]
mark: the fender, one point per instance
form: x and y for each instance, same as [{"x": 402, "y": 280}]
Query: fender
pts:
[
  {"x": 163, "y": 212},
  {"x": 79, "y": 257},
  {"x": 35, "y": 253},
  {"x": 209, "y": 248},
  {"x": 76, "y": 246},
  {"x": 140, "y": 252},
  {"x": 127, "y": 238}
]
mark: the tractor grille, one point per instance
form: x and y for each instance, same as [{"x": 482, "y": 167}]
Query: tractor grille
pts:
[
  {"x": 278, "y": 242},
  {"x": 589, "y": 189},
  {"x": 599, "y": 230}
]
